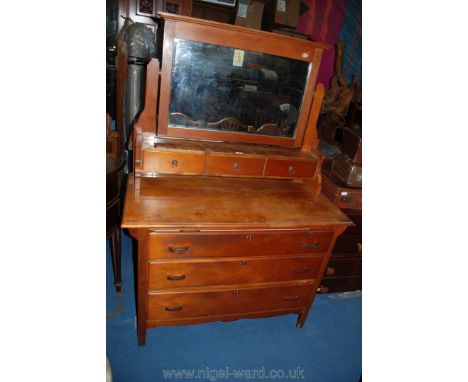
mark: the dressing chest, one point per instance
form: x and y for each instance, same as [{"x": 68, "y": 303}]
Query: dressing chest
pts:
[{"x": 225, "y": 200}]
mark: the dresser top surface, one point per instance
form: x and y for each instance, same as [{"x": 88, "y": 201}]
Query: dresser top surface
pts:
[{"x": 215, "y": 202}]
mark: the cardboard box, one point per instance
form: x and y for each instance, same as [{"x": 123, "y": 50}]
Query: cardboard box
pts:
[
  {"x": 287, "y": 12},
  {"x": 249, "y": 14}
]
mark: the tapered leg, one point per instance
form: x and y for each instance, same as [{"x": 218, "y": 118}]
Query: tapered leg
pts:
[
  {"x": 141, "y": 335},
  {"x": 301, "y": 319},
  {"x": 142, "y": 284},
  {"x": 116, "y": 259}
]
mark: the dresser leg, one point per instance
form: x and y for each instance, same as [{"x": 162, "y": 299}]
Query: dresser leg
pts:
[
  {"x": 141, "y": 336},
  {"x": 116, "y": 259},
  {"x": 301, "y": 320},
  {"x": 142, "y": 285}
]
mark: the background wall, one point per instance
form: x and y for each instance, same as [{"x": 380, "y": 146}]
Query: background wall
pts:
[{"x": 328, "y": 21}]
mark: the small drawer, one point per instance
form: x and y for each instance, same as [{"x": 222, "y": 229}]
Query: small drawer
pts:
[
  {"x": 350, "y": 200},
  {"x": 173, "y": 274},
  {"x": 286, "y": 168},
  {"x": 342, "y": 266},
  {"x": 167, "y": 162},
  {"x": 177, "y": 245},
  {"x": 176, "y": 305},
  {"x": 234, "y": 165},
  {"x": 341, "y": 195}
]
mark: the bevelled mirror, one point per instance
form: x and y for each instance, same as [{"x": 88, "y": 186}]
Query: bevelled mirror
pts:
[
  {"x": 225, "y": 89},
  {"x": 227, "y": 83}
]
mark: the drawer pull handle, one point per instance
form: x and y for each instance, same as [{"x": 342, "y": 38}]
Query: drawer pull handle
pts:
[
  {"x": 236, "y": 292},
  {"x": 314, "y": 244},
  {"x": 243, "y": 263},
  {"x": 330, "y": 271},
  {"x": 291, "y": 170},
  {"x": 174, "y": 163},
  {"x": 175, "y": 277},
  {"x": 301, "y": 270},
  {"x": 176, "y": 308},
  {"x": 291, "y": 298},
  {"x": 178, "y": 249},
  {"x": 235, "y": 166},
  {"x": 249, "y": 237}
]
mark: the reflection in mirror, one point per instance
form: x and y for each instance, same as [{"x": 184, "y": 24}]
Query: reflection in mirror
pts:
[{"x": 226, "y": 89}]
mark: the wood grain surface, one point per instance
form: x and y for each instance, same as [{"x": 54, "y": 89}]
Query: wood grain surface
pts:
[{"x": 196, "y": 201}]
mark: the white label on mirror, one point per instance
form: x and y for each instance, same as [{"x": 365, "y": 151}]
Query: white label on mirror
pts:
[
  {"x": 281, "y": 6},
  {"x": 242, "y": 11},
  {"x": 238, "y": 59}
]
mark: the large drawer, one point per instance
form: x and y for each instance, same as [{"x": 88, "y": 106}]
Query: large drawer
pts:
[
  {"x": 174, "y": 305},
  {"x": 167, "y": 162},
  {"x": 175, "y": 245},
  {"x": 170, "y": 274}
]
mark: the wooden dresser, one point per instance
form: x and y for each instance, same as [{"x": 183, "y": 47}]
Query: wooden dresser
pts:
[
  {"x": 344, "y": 270},
  {"x": 235, "y": 228}
]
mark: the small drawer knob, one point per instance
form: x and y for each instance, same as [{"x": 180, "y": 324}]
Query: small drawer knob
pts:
[
  {"x": 236, "y": 292},
  {"x": 174, "y": 163},
  {"x": 235, "y": 166},
  {"x": 291, "y": 170},
  {"x": 249, "y": 237},
  {"x": 243, "y": 263}
]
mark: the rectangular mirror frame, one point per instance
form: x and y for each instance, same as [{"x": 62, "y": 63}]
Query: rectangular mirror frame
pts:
[{"x": 186, "y": 28}]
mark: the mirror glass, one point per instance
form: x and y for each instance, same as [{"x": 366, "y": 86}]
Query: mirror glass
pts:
[{"x": 225, "y": 89}]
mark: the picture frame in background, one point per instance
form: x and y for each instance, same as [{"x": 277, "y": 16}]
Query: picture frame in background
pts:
[
  {"x": 146, "y": 8},
  {"x": 178, "y": 7}
]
